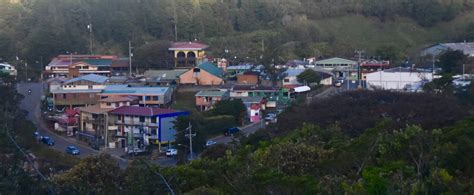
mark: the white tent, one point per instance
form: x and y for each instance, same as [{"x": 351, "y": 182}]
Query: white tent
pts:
[{"x": 302, "y": 89}]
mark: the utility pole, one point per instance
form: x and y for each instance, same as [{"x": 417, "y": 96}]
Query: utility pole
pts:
[
  {"x": 42, "y": 68},
  {"x": 359, "y": 53},
  {"x": 190, "y": 135},
  {"x": 130, "y": 57},
  {"x": 90, "y": 37}
]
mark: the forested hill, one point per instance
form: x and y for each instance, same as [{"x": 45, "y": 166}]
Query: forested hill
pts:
[{"x": 272, "y": 29}]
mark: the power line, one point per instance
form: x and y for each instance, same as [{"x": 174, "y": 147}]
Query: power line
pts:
[
  {"x": 159, "y": 175},
  {"x": 51, "y": 190}
]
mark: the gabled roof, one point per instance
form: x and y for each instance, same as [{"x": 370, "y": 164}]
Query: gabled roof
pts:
[
  {"x": 293, "y": 72},
  {"x": 187, "y": 46},
  {"x": 164, "y": 74},
  {"x": 336, "y": 60},
  {"x": 95, "y": 109},
  {"x": 211, "y": 93},
  {"x": 90, "y": 77},
  {"x": 212, "y": 69},
  {"x": 146, "y": 111}
]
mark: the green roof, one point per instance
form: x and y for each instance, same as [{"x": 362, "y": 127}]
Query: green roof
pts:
[
  {"x": 336, "y": 61},
  {"x": 211, "y": 93},
  {"x": 97, "y": 62},
  {"x": 211, "y": 68}
]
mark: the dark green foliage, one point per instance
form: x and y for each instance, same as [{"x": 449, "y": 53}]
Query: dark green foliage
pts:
[
  {"x": 452, "y": 61},
  {"x": 357, "y": 111},
  {"x": 309, "y": 76},
  {"x": 235, "y": 108}
]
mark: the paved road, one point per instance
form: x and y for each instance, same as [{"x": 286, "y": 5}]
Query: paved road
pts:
[
  {"x": 32, "y": 104},
  {"x": 247, "y": 130}
]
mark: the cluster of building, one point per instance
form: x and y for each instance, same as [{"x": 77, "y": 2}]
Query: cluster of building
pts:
[{"x": 111, "y": 108}]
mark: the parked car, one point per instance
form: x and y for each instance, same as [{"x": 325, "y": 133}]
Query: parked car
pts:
[
  {"x": 271, "y": 118},
  {"x": 231, "y": 131},
  {"x": 136, "y": 151},
  {"x": 47, "y": 140},
  {"x": 171, "y": 152},
  {"x": 338, "y": 83},
  {"x": 72, "y": 150},
  {"x": 210, "y": 143}
]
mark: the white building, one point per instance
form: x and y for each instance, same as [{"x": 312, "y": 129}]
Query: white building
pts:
[{"x": 399, "y": 79}]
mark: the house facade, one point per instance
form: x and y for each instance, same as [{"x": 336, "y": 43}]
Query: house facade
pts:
[
  {"x": 79, "y": 91},
  {"x": 336, "y": 63},
  {"x": 93, "y": 120},
  {"x": 273, "y": 95},
  {"x": 147, "y": 96},
  {"x": 205, "y": 74},
  {"x": 205, "y": 100},
  {"x": 188, "y": 54},
  {"x": 137, "y": 127},
  {"x": 78, "y": 65}
]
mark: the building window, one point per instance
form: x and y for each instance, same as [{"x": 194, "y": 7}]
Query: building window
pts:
[
  {"x": 109, "y": 104},
  {"x": 117, "y": 105},
  {"x": 91, "y": 95},
  {"x": 64, "y": 96},
  {"x": 153, "y": 119},
  {"x": 94, "y": 116},
  {"x": 147, "y": 98},
  {"x": 153, "y": 131},
  {"x": 142, "y": 119},
  {"x": 155, "y": 98},
  {"x": 90, "y": 87},
  {"x": 286, "y": 80}
]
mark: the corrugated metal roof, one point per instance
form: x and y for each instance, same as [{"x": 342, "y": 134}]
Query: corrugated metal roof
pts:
[
  {"x": 126, "y": 90},
  {"x": 211, "y": 93},
  {"x": 336, "y": 61},
  {"x": 211, "y": 68},
  {"x": 90, "y": 77},
  {"x": 145, "y": 111},
  {"x": 164, "y": 74}
]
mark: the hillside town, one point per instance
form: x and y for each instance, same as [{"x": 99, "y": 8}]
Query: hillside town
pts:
[{"x": 102, "y": 102}]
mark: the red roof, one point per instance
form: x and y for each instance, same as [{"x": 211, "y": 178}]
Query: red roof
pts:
[
  {"x": 71, "y": 112},
  {"x": 188, "y": 45},
  {"x": 143, "y": 111},
  {"x": 255, "y": 106},
  {"x": 291, "y": 86}
]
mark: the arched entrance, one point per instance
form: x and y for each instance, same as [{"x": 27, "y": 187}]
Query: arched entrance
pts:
[
  {"x": 191, "y": 58},
  {"x": 181, "y": 58}
]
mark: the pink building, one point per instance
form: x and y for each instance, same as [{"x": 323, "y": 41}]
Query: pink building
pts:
[{"x": 255, "y": 113}]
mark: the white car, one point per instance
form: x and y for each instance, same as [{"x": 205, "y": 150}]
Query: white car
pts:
[
  {"x": 171, "y": 152},
  {"x": 210, "y": 143}
]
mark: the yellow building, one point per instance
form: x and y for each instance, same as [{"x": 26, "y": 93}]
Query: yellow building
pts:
[{"x": 188, "y": 54}]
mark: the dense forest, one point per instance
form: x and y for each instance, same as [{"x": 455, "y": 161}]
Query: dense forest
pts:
[{"x": 260, "y": 31}]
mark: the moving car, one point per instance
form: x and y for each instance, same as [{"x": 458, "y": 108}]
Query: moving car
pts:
[
  {"x": 47, "y": 140},
  {"x": 231, "y": 131},
  {"x": 338, "y": 83},
  {"x": 210, "y": 143},
  {"x": 72, "y": 150},
  {"x": 171, "y": 152}
]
